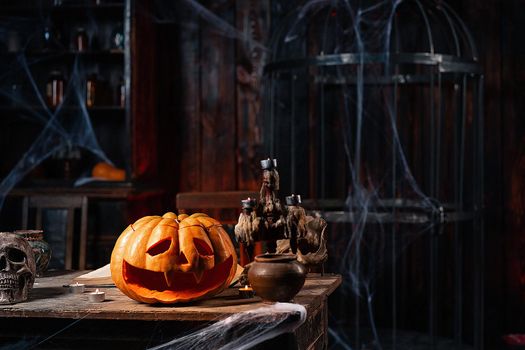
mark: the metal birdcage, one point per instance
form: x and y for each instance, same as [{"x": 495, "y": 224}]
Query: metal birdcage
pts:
[{"x": 375, "y": 114}]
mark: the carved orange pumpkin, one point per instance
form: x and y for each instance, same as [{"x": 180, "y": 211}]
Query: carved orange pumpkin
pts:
[{"x": 172, "y": 259}]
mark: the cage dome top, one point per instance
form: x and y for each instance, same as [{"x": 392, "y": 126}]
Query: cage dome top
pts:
[{"x": 333, "y": 32}]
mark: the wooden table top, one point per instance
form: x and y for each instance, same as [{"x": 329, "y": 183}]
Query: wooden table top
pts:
[{"x": 49, "y": 298}]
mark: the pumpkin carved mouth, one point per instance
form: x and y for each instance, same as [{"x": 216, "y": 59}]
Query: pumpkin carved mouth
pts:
[{"x": 177, "y": 281}]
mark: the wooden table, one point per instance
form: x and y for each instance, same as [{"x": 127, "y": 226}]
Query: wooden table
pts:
[{"x": 120, "y": 322}]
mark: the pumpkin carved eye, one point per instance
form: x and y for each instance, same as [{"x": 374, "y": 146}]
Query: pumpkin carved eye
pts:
[
  {"x": 172, "y": 259},
  {"x": 159, "y": 247},
  {"x": 203, "y": 248}
]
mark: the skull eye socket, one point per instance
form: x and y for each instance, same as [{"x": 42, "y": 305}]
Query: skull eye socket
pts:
[
  {"x": 159, "y": 247},
  {"x": 15, "y": 255}
]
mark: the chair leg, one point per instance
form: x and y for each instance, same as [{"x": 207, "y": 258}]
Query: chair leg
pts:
[
  {"x": 69, "y": 238},
  {"x": 83, "y": 234}
]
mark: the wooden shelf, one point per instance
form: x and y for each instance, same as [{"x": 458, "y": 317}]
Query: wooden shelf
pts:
[
  {"x": 66, "y": 56},
  {"x": 72, "y": 8},
  {"x": 100, "y": 189},
  {"x": 61, "y": 53},
  {"x": 96, "y": 109}
]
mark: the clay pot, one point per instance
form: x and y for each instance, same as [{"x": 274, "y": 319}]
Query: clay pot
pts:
[
  {"x": 41, "y": 249},
  {"x": 276, "y": 277}
]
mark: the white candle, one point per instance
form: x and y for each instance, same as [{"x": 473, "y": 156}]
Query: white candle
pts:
[
  {"x": 246, "y": 292},
  {"x": 97, "y": 296},
  {"x": 77, "y": 288}
]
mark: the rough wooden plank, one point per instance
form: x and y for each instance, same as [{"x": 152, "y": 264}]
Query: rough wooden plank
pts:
[
  {"x": 312, "y": 329},
  {"x": 217, "y": 106},
  {"x": 50, "y": 299},
  {"x": 188, "y": 131},
  {"x": 484, "y": 20},
  {"x": 172, "y": 100},
  {"x": 252, "y": 21},
  {"x": 223, "y": 199},
  {"x": 512, "y": 132},
  {"x": 143, "y": 94}
]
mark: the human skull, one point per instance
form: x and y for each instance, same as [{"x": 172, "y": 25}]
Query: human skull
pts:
[{"x": 17, "y": 268}]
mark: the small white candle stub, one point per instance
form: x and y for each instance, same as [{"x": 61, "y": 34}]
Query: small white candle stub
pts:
[
  {"x": 97, "y": 296},
  {"x": 246, "y": 292},
  {"x": 77, "y": 288}
]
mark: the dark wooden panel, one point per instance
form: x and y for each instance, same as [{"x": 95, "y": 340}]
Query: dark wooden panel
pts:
[
  {"x": 187, "y": 136},
  {"x": 143, "y": 94},
  {"x": 224, "y": 199},
  {"x": 497, "y": 27},
  {"x": 513, "y": 134},
  {"x": 170, "y": 105},
  {"x": 252, "y": 20},
  {"x": 217, "y": 105},
  {"x": 215, "y": 141}
]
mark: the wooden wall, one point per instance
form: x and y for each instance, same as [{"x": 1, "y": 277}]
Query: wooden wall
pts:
[
  {"x": 498, "y": 28},
  {"x": 209, "y": 107}
]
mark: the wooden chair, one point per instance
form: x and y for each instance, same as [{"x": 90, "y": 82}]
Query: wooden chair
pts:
[
  {"x": 227, "y": 203},
  {"x": 214, "y": 201},
  {"x": 70, "y": 203}
]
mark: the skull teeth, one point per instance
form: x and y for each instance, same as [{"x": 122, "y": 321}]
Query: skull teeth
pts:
[{"x": 8, "y": 283}]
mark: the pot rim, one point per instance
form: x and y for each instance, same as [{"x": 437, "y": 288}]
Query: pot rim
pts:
[{"x": 273, "y": 257}]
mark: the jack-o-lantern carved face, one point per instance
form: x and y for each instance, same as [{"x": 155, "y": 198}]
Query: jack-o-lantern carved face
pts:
[{"x": 172, "y": 259}]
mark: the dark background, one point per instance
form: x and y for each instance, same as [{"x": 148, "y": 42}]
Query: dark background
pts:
[
  {"x": 195, "y": 112},
  {"x": 215, "y": 142}
]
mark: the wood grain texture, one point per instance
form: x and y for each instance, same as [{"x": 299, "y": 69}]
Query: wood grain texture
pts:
[
  {"x": 513, "y": 133},
  {"x": 217, "y": 115},
  {"x": 187, "y": 138},
  {"x": 143, "y": 94},
  {"x": 51, "y": 300},
  {"x": 208, "y": 200},
  {"x": 497, "y": 28},
  {"x": 214, "y": 134},
  {"x": 252, "y": 21}
]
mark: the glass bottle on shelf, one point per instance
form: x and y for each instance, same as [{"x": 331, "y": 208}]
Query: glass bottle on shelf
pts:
[
  {"x": 91, "y": 89},
  {"x": 117, "y": 38},
  {"x": 55, "y": 89},
  {"x": 81, "y": 40},
  {"x": 66, "y": 161}
]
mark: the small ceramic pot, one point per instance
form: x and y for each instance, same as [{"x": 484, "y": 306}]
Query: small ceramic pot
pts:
[
  {"x": 276, "y": 277},
  {"x": 41, "y": 248}
]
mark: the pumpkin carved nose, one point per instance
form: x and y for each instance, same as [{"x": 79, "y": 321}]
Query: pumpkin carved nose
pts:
[{"x": 159, "y": 247}]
